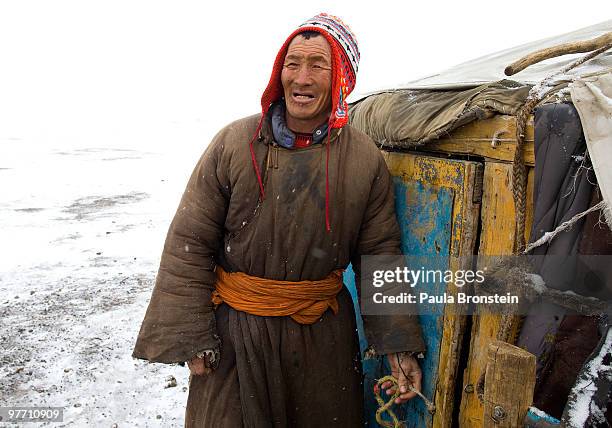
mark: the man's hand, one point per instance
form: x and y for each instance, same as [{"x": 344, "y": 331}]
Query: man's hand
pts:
[
  {"x": 405, "y": 368},
  {"x": 198, "y": 367}
]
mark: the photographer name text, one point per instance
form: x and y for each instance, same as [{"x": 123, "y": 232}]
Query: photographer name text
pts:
[{"x": 445, "y": 298}]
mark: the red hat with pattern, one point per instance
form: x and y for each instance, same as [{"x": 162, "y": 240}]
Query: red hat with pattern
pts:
[{"x": 345, "y": 62}]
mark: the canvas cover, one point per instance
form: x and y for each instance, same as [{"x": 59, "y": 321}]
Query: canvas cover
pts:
[
  {"x": 490, "y": 68},
  {"x": 424, "y": 110},
  {"x": 405, "y": 118},
  {"x": 592, "y": 97}
]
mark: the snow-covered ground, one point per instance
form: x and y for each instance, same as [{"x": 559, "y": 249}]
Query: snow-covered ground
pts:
[{"x": 81, "y": 232}]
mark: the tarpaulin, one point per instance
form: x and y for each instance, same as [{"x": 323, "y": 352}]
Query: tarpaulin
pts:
[{"x": 401, "y": 119}]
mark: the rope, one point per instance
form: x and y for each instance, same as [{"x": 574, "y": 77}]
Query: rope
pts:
[
  {"x": 386, "y": 406},
  {"x": 549, "y": 236},
  {"x": 519, "y": 176},
  {"x": 519, "y": 170}
]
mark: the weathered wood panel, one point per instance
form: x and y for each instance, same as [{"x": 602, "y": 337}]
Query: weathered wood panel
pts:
[
  {"x": 494, "y": 139},
  {"x": 496, "y": 238},
  {"x": 425, "y": 214},
  {"x": 425, "y": 217},
  {"x": 509, "y": 385},
  {"x": 425, "y": 190},
  {"x": 444, "y": 334}
]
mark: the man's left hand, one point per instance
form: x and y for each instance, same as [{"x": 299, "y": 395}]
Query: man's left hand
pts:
[{"x": 405, "y": 368}]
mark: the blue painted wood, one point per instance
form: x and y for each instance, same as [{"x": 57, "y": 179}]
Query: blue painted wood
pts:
[
  {"x": 534, "y": 418},
  {"x": 425, "y": 217},
  {"x": 349, "y": 281}
]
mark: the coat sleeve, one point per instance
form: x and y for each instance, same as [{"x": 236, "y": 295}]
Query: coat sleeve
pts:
[
  {"x": 180, "y": 321},
  {"x": 380, "y": 235}
]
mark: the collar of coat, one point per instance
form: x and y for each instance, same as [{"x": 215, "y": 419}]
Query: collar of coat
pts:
[
  {"x": 267, "y": 135},
  {"x": 283, "y": 135}
]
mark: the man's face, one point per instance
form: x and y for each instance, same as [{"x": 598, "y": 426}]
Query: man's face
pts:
[{"x": 306, "y": 79}]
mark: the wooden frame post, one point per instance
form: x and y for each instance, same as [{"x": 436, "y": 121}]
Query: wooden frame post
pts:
[{"x": 509, "y": 385}]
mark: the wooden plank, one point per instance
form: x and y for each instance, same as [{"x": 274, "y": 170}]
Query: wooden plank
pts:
[
  {"x": 509, "y": 385},
  {"x": 443, "y": 335},
  {"x": 496, "y": 238},
  {"x": 494, "y": 139},
  {"x": 455, "y": 324}
]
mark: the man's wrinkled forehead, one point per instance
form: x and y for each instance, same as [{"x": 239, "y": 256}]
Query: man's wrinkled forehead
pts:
[{"x": 314, "y": 47}]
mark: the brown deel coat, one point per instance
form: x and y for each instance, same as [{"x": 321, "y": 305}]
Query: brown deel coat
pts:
[{"x": 221, "y": 220}]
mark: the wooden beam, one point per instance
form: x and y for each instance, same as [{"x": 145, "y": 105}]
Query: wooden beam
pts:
[
  {"x": 509, "y": 385},
  {"x": 493, "y": 139},
  {"x": 582, "y": 46}
]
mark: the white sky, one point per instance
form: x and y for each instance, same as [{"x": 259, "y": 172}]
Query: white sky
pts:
[{"x": 141, "y": 73}]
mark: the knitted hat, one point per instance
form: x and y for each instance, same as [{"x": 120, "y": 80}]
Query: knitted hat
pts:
[{"x": 345, "y": 62}]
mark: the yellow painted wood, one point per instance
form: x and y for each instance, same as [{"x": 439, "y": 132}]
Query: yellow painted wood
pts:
[
  {"x": 454, "y": 323},
  {"x": 493, "y": 139},
  {"x": 460, "y": 176},
  {"x": 496, "y": 238}
]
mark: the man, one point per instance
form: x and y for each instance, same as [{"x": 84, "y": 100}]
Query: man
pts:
[{"x": 249, "y": 290}]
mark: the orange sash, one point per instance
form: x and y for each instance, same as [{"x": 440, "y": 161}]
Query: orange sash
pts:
[{"x": 304, "y": 301}]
